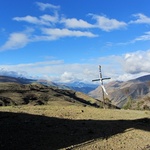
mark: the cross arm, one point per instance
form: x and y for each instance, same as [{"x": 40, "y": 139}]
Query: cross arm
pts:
[
  {"x": 105, "y": 78},
  {"x": 95, "y": 80},
  {"x": 100, "y": 79}
]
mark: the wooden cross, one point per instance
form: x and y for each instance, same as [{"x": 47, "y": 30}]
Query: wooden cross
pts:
[{"x": 102, "y": 86}]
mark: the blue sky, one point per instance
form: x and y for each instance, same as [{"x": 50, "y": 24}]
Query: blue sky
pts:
[{"x": 66, "y": 40}]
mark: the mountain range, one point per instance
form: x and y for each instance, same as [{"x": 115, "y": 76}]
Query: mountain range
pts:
[{"x": 133, "y": 94}]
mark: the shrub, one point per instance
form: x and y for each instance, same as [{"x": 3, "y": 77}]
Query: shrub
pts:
[{"x": 128, "y": 104}]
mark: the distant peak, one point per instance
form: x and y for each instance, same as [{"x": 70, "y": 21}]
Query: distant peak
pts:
[{"x": 143, "y": 78}]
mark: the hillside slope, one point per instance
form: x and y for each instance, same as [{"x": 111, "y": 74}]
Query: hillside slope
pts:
[
  {"x": 38, "y": 94},
  {"x": 120, "y": 93},
  {"x": 18, "y": 91}
]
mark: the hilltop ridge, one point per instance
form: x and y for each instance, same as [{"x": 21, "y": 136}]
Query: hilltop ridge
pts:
[{"x": 132, "y": 94}]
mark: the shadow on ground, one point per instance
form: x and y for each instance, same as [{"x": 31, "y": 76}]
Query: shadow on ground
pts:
[{"x": 20, "y": 131}]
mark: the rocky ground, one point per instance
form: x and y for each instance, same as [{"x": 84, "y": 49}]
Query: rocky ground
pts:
[{"x": 65, "y": 126}]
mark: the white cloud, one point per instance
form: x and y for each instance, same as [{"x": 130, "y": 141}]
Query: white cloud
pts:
[
  {"x": 137, "y": 62},
  {"x": 58, "y": 33},
  {"x": 107, "y": 24},
  {"x": 21, "y": 39},
  {"x": 15, "y": 41},
  {"x": 75, "y": 23},
  {"x": 29, "y": 19},
  {"x": 44, "y": 6},
  {"x": 67, "y": 77},
  {"x": 49, "y": 18},
  {"x": 145, "y": 37},
  {"x": 42, "y": 20},
  {"x": 141, "y": 18}
]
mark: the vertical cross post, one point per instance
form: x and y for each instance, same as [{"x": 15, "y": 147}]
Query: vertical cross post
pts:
[
  {"x": 100, "y": 76},
  {"x": 102, "y": 86}
]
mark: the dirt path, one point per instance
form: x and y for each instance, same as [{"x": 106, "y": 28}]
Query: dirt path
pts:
[{"x": 69, "y": 126}]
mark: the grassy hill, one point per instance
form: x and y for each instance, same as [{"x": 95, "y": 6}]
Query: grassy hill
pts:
[
  {"x": 37, "y": 94},
  {"x": 14, "y": 91}
]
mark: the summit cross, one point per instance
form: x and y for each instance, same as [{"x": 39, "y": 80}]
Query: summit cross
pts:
[{"x": 102, "y": 86}]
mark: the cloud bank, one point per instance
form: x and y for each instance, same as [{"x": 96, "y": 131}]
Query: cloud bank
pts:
[
  {"x": 123, "y": 67},
  {"x": 137, "y": 62}
]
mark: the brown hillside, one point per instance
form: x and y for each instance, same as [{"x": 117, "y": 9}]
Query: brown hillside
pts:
[
  {"x": 37, "y": 94},
  {"x": 120, "y": 93}
]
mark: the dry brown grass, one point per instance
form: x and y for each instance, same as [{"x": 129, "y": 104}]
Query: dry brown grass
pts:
[{"x": 64, "y": 125}]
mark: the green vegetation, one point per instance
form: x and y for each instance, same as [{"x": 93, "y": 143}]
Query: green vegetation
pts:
[{"x": 128, "y": 104}]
